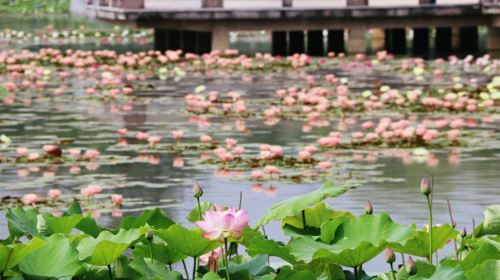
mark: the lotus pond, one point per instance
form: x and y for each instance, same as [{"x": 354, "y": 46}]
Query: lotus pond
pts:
[{"x": 119, "y": 133}]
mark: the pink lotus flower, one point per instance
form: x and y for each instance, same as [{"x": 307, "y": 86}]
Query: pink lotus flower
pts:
[
  {"x": 177, "y": 134},
  {"x": 22, "y": 151},
  {"x": 141, "y": 136},
  {"x": 220, "y": 225},
  {"x": 153, "y": 140},
  {"x": 205, "y": 139},
  {"x": 215, "y": 254},
  {"x": 30, "y": 199},
  {"x": 453, "y": 134},
  {"x": 91, "y": 154},
  {"x": 257, "y": 174},
  {"x": 122, "y": 131},
  {"x": 304, "y": 156},
  {"x": 324, "y": 165},
  {"x": 230, "y": 142},
  {"x": 271, "y": 169},
  {"x": 91, "y": 190},
  {"x": 117, "y": 199},
  {"x": 33, "y": 156},
  {"x": 75, "y": 153},
  {"x": 54, "y": 193}
]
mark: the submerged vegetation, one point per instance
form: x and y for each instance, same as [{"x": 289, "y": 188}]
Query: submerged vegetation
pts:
[{"x": 323, "y": 243}]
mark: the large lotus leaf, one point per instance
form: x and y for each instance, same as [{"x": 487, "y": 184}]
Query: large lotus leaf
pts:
[
  {"x": 22, "y": 221},
  {"x": 491, "y": 224},
  {"x": 295, "y": 205},
  {"x": 418, "y": 244},
  {"x": 286, "y": 273},
  {"x": 355, "y": 241},
  {"x": 444, "y": 271},
  {"x": 56, "y": 259},
  {"x": 323, "y": 270},
  {"x": 485, "y": 252},
  {"x": 489, "y": 269},
  {"x": 154, "y": 271},
  {"x": 12, "y": 254},
  {"x": 190, "y": 242},
  {"x": 89, "y": 226},
  {"x": 161, "y": 252},
  {"x": 155, "y": 218},
  {"x": 104, "y": 249},
  {"x": 211, "y": 276},
  {"x": 194, "y": 214},
  {"x": 315, "y": 216},
  {"x": 58, "y": 224},
  {"x": 257, "y": 244},
  {"x": 257, "y": 266},
  {"x": 123, "y": 270}
]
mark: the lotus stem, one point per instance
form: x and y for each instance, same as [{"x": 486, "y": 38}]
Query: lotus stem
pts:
[
  {"x": 453, "y": 224},
  {"x": 241, "y": 200},
  {"x": 185, "y": 269},
  {"x": 304, "y": 224},
  {"x": 429, "y": 204},
  {"x": 199, "y": 207},
  {"x": 226, "y": 262},
  {"x": 151, "y": 250},
  {"x": 403, "y": 258},
  {"x": 110, "y": 273},
  {"x": 170, "y": 266},
  {"x": 356, "y": 273},
  {"x": 461, "y": 249},
  {"x": 392, "y": 271},
  {"x": 194, "y": 266}
]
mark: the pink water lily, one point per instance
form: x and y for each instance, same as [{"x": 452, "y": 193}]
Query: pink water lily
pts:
[{"x": 223, "y": 224}]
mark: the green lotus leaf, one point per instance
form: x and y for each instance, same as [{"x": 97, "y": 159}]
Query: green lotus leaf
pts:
[
  {"x": 62, "y": 224},
  {"x": 56, "y": 259},
  {"x": 161, "y": 252},
  {"x": 189, "y": 242},
  {"x": 286, "y": 273},
  {"x": 444, "y": 271},
  {"x": 418, "y": 244},
  {"x": 107, "y": 247},
  {"x": 489, "y": 269},
  {"x": 257, "y": 244},
  {"x": 123, "y": 270},
  {"x": 12, "y": 254},
  {"x": 156, "y": 218},
  {"x": 22, "y": 221},
  {"x": 194, "y": 214},
  {"x": 89, "y": 226},
  {"x": 491, "y": 224},
  {"x": 295, "y": 205},
  {"x": 355, "y": 241},
  {"x": 256, "y": 266},
  {"x": 486, "y": 251},
  {"x": 153, "y": 271},
  {"x": 315, "y": 216},
  {"x": 323, "y": 270},
  {"x": 211, "y": 276}
]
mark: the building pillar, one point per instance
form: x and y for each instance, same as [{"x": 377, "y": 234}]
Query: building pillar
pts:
[
  {"x": 356, "y": 42},
  {"x": 493, "y": 41},
  {"x": 469, "y": 39},
  {"x": 296, "y": 42},
  {"x": 220, "y": 38},
  {"x": 421, "y": 40},
  {"x": 443, "y": 44},
  {"x": 336, "y": 42},
  {"x": 315, "y": 43},
  {"x": 377, "y": 40},
  {"x": 279, "y": 43}
]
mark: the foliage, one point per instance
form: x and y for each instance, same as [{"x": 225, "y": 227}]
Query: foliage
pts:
[
  {"x": 331, "y": 245},
  {"x": 34, "y": 6}
]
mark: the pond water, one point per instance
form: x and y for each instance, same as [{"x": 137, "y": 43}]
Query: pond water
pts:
[{"x": 390, "y": 178}]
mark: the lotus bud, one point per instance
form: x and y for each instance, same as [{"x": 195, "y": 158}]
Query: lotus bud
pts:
[
  {"x": 212, "y": 264},
  {"x": 424, "y": 187},
  {"x": 197, "y": 190},
  {"x": 389, "y": 255},
  {"x": 368, "y": 208},
  {"x": 411, "y": 267},
  {"x": 149, "y": 235},
  {"x": 463, "y": 233}
]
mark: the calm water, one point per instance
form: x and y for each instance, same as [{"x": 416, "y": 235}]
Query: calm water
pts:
[{"x": 391, "y": 180}]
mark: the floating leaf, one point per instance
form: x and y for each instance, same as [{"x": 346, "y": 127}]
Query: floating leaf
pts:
[
  {"x": 295, "y": 205},
  {"x": 56, "y": 259}
]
